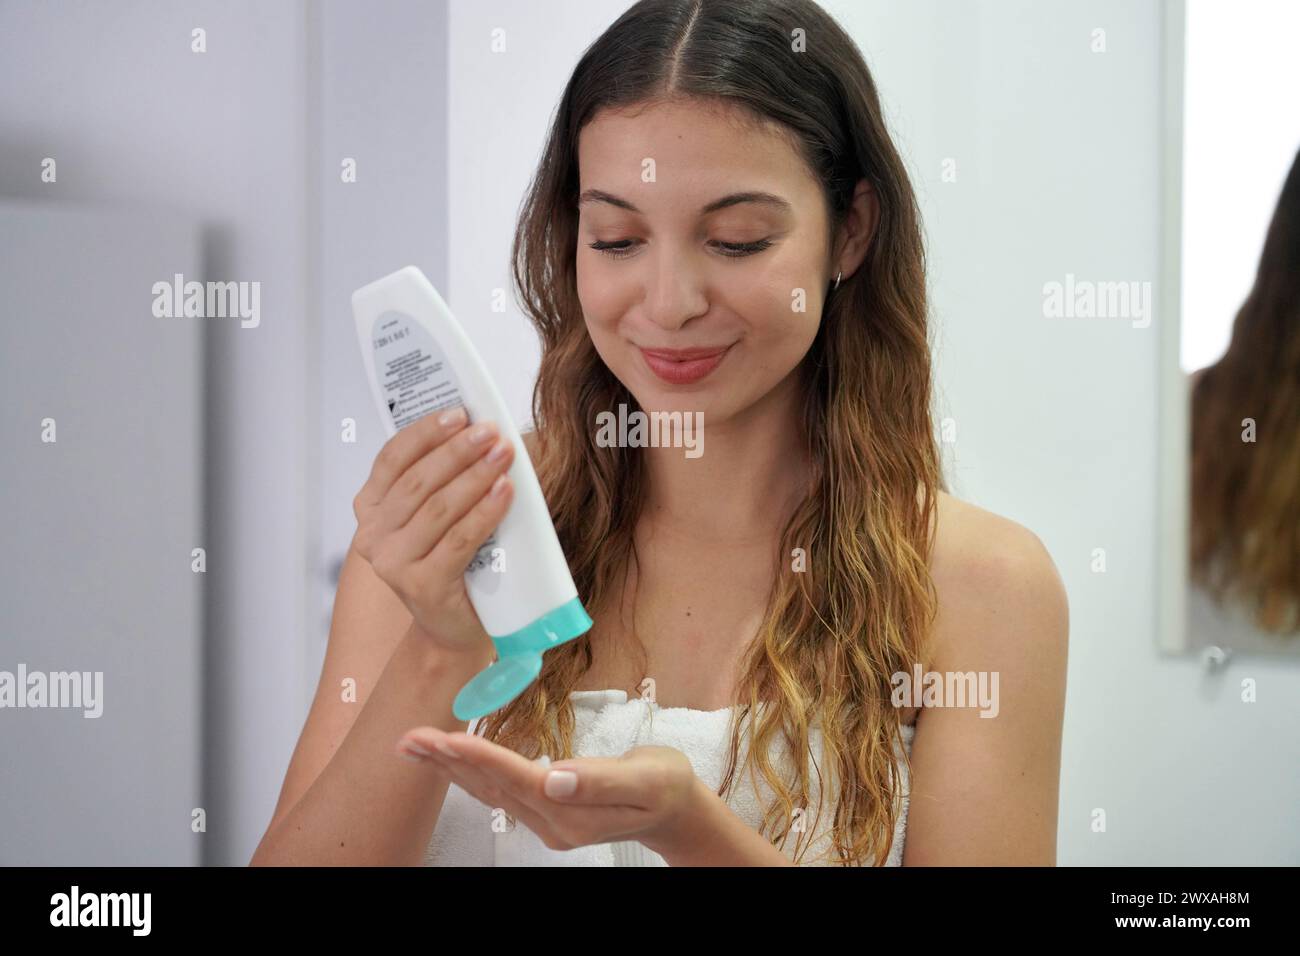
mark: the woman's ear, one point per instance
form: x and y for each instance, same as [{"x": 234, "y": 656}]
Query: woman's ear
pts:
[{"x": 858, "y": 229}]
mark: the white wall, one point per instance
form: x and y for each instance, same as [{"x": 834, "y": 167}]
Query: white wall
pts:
[
  {"x": 500, "y": 108},
  {"x": 1058, "y": 160},
  {"x": 134, "y": 118},
  {"x": 99, "y": 516},
  {"x": 383, "y": 103}
]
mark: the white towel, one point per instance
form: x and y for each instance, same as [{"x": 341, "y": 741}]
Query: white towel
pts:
[{"x": 608, "y": 724}]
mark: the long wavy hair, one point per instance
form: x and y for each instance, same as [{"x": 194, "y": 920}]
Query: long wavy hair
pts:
[
  {"x": 1245, "y": 516},
  {"x": 833, "y": 634}
]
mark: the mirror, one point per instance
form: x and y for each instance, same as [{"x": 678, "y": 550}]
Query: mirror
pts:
[{"x": 1230, "y": 350}]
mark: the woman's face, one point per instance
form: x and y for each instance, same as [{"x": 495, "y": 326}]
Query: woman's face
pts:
[{"x": 744, "y": 280}]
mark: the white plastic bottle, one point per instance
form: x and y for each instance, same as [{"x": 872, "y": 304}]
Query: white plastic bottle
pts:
[{"x": 419, "y": 360}]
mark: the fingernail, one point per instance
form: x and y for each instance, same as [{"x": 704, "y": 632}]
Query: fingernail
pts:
[
  {"x": 453, "y": 416},
  {"x": 479, "y": 434},
  {"x": 444, "y": 748},
  {"x": 499, "y": 486},
  {"x": 416, "y": 748},
  {"x": 561, "y": 783},
  {"x": 499, "y": 450}
]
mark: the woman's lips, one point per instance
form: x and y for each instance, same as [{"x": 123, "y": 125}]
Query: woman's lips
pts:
[{"x": 683, "y": 366}]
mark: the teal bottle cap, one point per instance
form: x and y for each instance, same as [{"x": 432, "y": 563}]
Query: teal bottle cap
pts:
[{"x": 520, "y": 660}]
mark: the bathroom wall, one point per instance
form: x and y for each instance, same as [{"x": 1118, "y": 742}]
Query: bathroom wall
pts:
[{"x": 137, "y": 120}]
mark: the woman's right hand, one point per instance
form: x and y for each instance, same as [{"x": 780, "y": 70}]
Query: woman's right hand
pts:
[{"x": 436, "y": 491}]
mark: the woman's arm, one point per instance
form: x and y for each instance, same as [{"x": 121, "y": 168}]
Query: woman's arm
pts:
[
  {"x": 348, "y": 799},
  {"x": 985, "y": 789}
]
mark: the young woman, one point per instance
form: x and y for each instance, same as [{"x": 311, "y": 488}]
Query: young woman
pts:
[{"x": 720, "y": 224}]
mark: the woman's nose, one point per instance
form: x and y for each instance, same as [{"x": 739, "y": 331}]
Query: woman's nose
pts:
[{"x": 676, "y": 290}]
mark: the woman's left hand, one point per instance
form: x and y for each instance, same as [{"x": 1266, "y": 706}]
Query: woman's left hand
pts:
[{"x": 644, "y": 795}]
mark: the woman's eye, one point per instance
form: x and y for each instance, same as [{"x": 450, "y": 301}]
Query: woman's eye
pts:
[
  {"x": 735, "y": 249},
  {"x": 623, "y": 248},
  {"x": 615, "y": 250}
]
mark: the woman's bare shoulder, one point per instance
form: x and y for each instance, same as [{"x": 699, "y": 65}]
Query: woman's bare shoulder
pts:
[
  {"x": 986, "y": 792},
  {"x": 995, "y": 580},
  {"x": 972, "y": 538}
]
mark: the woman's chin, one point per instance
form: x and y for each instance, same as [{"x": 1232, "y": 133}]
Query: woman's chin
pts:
[{"x": 666, "y": 399}]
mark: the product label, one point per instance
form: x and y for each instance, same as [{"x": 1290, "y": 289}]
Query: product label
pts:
[
  {"x": 413, "y": 374},
  {"x": 416, "y": 379}
]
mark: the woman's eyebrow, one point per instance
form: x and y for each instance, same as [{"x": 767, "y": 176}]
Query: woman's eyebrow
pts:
[{"x": 754, "y": 196}]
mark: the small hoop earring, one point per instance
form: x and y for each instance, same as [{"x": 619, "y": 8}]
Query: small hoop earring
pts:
[{"x": 837, "y": 278}]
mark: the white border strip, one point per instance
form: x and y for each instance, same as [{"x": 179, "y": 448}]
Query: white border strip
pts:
[{"x": 1173, "y": 465}]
